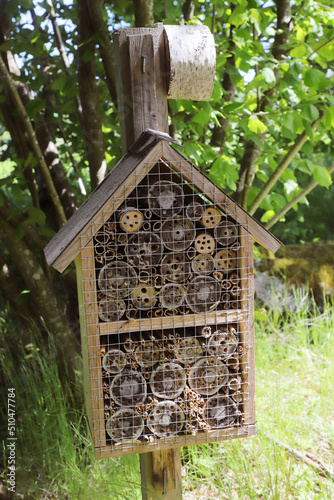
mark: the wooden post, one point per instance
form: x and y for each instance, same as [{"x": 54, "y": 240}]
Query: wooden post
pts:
[
  {"x": 141, "y": 82},
  {"x": 142, "y": 104},
  {"x": 161, "y": 475}
]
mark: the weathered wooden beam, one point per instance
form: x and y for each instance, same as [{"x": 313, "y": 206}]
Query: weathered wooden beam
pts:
[
  {"x": 161, "y": 475},
  {"x": 141, "y": 86}
]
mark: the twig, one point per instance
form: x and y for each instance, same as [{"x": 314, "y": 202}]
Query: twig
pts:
[
  {"x": 322, "y": 469},
  {"x": 283, "y": 165},
  {"x": 34, "y": 142},
  {"x": 295, "y": 200}
]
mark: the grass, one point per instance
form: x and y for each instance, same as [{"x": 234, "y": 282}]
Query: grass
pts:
[{"x": 294, "y": 391}]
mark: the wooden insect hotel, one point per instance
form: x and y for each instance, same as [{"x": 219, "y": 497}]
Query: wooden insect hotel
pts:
[
  {"x": 164, "y": 261},
  {"x": 166, "y": 303}
]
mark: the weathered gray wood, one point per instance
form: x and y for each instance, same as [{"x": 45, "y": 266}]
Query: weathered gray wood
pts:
[
  {"x": 191, "y": 58},
  {"x": 132, "y": 83}
]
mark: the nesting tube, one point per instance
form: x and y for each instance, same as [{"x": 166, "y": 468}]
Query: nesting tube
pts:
[
  {"x": 175, "y": 267},
  {"x": 131, "y": 220},
  {"x": 220, "y": 411},
  {"x": 202, "y": 264},
  {"x": 165, "y": 199},
  {"x": 222, "y": 343},
  {"x": 205, "y": 331},
  {"x": 188, "y": 350},
  {"x": 147, "y": 354},
  {"x": 178, "y": 234},
  {"x": 110, "y": 309},
  {"x": 208, "y": 375},
  {"x": 144, "y": 249},
  {"x": 128, "y": 388},
  {"x": 166, "y": 419},
  {"x": 226, "y": 233},
  {"x": 114, "y": 361},
  {"x": 125, "y": 424},
  {"x": 194, "y": 210},
  {"x": 211, "y": 217},
  {"x": 203, "y": 294},
  {"x": 117, "y": 280},
  {"x": 168, "y": 380},
  {"x": 144, "y": 296},
  {"x": 225, "y": 260}
]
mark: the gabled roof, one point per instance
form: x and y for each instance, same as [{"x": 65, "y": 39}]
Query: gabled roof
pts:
[{"x": 151, "y": 147}]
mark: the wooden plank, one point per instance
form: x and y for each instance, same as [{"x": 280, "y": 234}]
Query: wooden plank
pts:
[
  {"x": 84, "y": 345},
  {"x": 138, "y": 325},
  {"x": 246, "y": 325},
  {"x": 142, "y": 73},
  {"x": 93, "y": 346},
  {"x": 107, "y": 197},
  {"x": 125, "y": 95},
  {"x": 219, "y": 198},
  {"x": 161, "y": 475},
  {"x": 201, "y": 437}
]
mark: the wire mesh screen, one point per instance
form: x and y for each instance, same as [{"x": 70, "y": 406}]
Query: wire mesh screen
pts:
[{"x": 170, "y": 291}]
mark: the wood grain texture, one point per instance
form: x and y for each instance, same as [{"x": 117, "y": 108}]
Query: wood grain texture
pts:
[
  {"x": 93, "y": 346},
  {"x": 161, "y": 475},
  {"x": 167, "y": 322},
  {"x": 202, "y": 437},
  {"x": 219, "y": 198},
  {"x": 129, "y": 75}
]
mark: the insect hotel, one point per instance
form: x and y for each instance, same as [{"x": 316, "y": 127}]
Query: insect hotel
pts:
[
  {"x": 166, "y": 303},
  {"x": 164, "y": 260}
]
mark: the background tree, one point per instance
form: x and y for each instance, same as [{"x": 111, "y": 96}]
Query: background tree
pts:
[{"x": 265, "y": 136}]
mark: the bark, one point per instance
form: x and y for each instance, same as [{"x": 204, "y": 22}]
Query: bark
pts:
[
  {"x": 253, "y": 150},
  {"x": 105, "y": 46},
  {"x": 219, "y": 133},
  {"x": 144, "y": 13},
  {"x": 12, "y": 289},
  {"x": 43, "y": 295},
  {"x": 89, "y": 98},
  {"x": 188, "y": 10}
]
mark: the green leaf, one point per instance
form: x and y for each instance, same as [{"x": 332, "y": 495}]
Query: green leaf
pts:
[
  {"x": 237, "y": 16},
  {"x": 290, "y": 186},
  {"x": 305, "y": 166},
  {"x": 314, "y": 78},
  {"x": 329, "y": 118},
  {"x": 37, "y": 215},
  {"x": 321, "y": 176},
  {"x": 267, "y": 216},
  {"x": 255, "y": 125},
  {"x": 202, "y": 117},
  {"x": 309, "y": 112},
  {"x": 35, "y": 106},
  {"x": 298, "y": 51},
  {"x": 59, "y": 83},
  {"x": 269, "y": 76}
]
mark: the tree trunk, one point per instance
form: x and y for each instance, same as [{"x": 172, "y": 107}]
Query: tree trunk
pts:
[
  {"x": 89, "y": 97},
  {"x": 43, "y": 295},
  {"x": 144, "y": 13}
]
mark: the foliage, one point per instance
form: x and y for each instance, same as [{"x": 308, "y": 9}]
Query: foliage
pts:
[
  {"x": 294, "y": 403},
  {"x": 262, "y": 137}
]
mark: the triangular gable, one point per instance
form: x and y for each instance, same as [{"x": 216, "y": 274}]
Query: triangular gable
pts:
[{"x": 107, "y": 197}]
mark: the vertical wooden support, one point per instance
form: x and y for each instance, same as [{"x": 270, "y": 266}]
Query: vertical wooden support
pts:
[
  {"x": 161, "y": 475},
  {"x": 91, "y": 339},
  {"x": 141, "y": 85}
]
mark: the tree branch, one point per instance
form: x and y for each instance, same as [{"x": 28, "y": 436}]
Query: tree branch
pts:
[
  {"x": 144, "y": 13},
  {"x": 188, "y": 10},
  {"x": 89, "y": 97},
  {"x": 282, "y": 166},
  {"x": 105, "y": 46},
  {"x": 295, "y": 200},
  {"x": 34, "y": 142}
]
